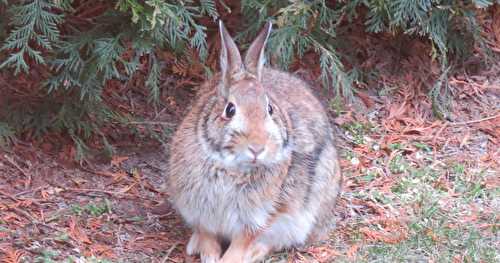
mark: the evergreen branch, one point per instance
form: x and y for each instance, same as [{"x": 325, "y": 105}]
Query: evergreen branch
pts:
[{"x": 35, "y": 30}]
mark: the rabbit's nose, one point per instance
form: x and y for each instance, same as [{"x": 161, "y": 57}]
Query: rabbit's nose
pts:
[{"x": 256, "y": 149}]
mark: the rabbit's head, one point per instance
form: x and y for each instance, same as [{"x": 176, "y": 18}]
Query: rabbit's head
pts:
[{"x": 250, "y": 126}]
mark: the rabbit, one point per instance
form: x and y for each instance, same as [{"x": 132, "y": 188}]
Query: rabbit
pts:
[{"x": 253, "y": 164}]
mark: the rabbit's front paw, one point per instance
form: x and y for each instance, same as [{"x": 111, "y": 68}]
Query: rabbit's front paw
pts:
[
  {"x": 209, "y": 259},
  {"x": 206, "y": 245},
  {"x": 193, "y": 246}
]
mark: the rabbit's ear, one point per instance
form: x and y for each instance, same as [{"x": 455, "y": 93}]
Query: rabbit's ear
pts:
[
  {"x": 230, "y": 59},
  {"x": 254, "y": 59}
]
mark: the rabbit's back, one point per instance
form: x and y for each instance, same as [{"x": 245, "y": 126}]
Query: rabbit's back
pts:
[
  {"x": 314, "y": 178},
  {"x": 294, "y": 98}
]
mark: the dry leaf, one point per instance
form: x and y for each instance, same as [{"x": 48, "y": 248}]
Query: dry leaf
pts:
[
  {"x": 117, "y": 160},
  {"x": 126, "y": 189},
  {"x": 94, "y": 223},
  {"x": 102, "y": 250},
  {"x": 76, "y": 233},
  {"x": 391, "y": 236},
  {"x": 396, "y": 110},
  {"x": 181, "y": 68},
  {"x": 365, "y": 98},
  {"x": 45, "y": 194},
  {"x": 11, "y": 255},
  {"x": 322, "y": 254},
  {"x": 352, "y": 251}
]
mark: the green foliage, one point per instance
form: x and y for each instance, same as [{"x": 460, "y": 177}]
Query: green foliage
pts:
[
  {"x": 81, "y": 120},
  {"x": 47, "y": 256},
  {"x": 124, "y": 39},
  {"x": 422, "y": 146},
  {"x": 318, "y": 25},
  {"x": 446, "y": 23},
  {"x": 302, "y": 26},
  {"x": 34, "y": 29},
  {"x": 484, "y": 3},
  {"x": 357, "y": 131},
  {"x": 86, "y": 57},
  {"x": 92, "y": 209},
  {"x": 398, "y": 164}
]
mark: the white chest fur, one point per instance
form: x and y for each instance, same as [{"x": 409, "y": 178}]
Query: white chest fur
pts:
[{"x": 224, "y": 207}]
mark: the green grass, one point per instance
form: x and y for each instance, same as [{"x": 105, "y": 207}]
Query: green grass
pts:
[
  {"x": 92, "y": 209},
  {"x": 435, "y": 231},
  {"x": 49, "y": 256},
  {"x": 357, "y": 131},
  {"x": 450, "y": 213}
]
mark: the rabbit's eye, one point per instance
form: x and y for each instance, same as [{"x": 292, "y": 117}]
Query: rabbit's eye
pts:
[
  {"x": 270, "y": 109},
  {"x": 230, "y": 110}
]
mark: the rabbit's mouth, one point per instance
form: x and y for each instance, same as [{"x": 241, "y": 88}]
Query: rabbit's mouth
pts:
[
  {"x": 247, "y": 161},
  {"x": 252, "y": 157},
  {"x": 253, "y": 163}
]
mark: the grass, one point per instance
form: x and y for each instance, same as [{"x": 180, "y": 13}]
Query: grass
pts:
[
  {"x": 49, "y": 256},
  {"x": 93, "y": 209},
  {"x": 356, "y": 131},
  {"x": 449, "y": 213}
]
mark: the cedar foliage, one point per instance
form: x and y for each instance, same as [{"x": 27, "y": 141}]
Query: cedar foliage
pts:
[{"x": 85, "y": 44}]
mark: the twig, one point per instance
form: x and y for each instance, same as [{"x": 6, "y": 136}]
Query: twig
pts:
[
  {"x": 19, "y": 199},
  {"x": 25, "y": 214},
  {"x": 33, "y": 220},
  {"x": 95, "y": 172},
  {"x": 167, "y": 256},
  {"x": 151, "y": 123},
  {"x": 9, "y": 196},
  {"x": 31, "y": 190},
  {"x": 474, "y": 121},
  {"x": 435, "y": 137},
  {"x": 12, "y": 162},
  {"x": 95, "y": 190},
  {"x": 114, "y": 194}
]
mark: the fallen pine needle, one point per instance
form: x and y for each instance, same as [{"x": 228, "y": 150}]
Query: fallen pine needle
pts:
[
  {"x": 474, "y": 121},
  {"x": 167, "y": 256}
]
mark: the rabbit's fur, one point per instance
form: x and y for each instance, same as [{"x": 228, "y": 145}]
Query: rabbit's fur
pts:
[{"x": 263, "y": 179}]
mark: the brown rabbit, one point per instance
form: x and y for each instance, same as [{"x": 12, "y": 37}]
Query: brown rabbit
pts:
[{"x": 253, "y": 163}]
